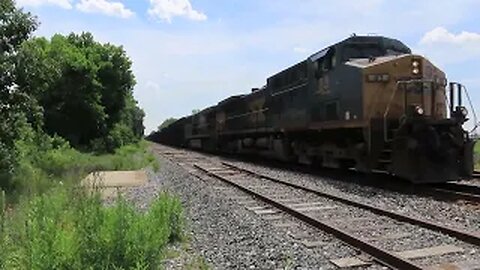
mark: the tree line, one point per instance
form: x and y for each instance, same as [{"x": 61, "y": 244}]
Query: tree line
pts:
[{"x": 65, "y": 89}]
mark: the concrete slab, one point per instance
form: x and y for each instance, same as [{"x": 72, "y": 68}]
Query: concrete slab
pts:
[
  {"x": 115, "y": 179},
  {"x": 111, "y": 183}
]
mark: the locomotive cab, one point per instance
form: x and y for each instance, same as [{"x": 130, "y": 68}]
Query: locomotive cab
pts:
[
  {"x": 423, "y": 138},
  {"x": 379, "y": 107}
]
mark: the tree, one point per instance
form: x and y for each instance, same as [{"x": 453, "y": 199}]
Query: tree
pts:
[
  {"x": 16, "y": 26},
  {"x": 166, "y": 123},
  {"x": 85, "y": 89}
]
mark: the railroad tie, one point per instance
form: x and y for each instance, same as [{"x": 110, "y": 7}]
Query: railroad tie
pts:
[{"x": 408, "y": 254}]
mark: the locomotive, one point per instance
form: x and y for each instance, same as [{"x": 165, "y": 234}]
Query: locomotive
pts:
[{"x": 366, "y": 102}]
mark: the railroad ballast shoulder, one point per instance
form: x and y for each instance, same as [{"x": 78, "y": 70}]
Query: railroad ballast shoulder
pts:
[{"x": 366, "y": 102}]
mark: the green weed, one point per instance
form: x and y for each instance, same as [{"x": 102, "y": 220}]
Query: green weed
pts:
[
  {"x": 68, "y": 228},
  {"x": 42, "y": 165}
]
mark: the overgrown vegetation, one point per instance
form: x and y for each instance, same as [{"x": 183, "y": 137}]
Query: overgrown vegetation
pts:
[
  {"x": 167, "y": 123},
  {"x": 69, "y": 91},
  {"x": 44, "y": 161},
  {"x": 71, "y": 229},
  {"x": 84, "y": 89},
  {"x": 67, "y": 109}
]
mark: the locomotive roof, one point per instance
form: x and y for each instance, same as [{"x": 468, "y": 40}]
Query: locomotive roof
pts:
[
  {"x": 229, "y": 99},
  {"x": 362, "y": 40}
]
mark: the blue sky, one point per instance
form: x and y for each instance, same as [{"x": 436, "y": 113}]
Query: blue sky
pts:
[{"x": 190, "y": 54}]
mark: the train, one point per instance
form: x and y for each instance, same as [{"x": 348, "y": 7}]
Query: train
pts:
[{"x": 365, "y": 103}]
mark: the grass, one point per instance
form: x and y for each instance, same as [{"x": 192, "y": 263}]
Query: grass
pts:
[
  {"x": 39, "y": 170},
  {"x": 68, "y": 228},
  {"x": 47, "y": 221}
]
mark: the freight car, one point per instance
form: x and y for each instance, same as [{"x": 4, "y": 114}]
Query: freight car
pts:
[{"x": 366, "y": 103}]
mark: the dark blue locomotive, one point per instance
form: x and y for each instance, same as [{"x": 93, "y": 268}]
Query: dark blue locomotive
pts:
[{"x": 366, "y": 102}]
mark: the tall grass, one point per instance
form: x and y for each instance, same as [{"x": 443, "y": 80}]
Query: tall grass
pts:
[
  {"x": 68, "y": 228},
  {"x": 40, "y": 169}
]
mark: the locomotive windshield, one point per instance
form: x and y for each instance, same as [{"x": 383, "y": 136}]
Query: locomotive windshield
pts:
[
  {"x": 362, "y": 50},
  {"x": 374, "y": 49},
  {"x": 395, "y": 47}
]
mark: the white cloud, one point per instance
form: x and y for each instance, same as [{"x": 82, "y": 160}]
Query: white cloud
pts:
[
  {"x": 115, "y": 9},
  {"x": 167, "y": 9},
  {"x": 446, "y": 47},
  {"x": 441, "y": 35},
  {"x": 67, "y": 4}
]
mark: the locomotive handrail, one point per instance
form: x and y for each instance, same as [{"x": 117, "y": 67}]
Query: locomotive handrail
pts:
[
  {"x": 289, "y": 89},
  {"x": 387, "y": 110},
  {"x": 475, "y": 120},
  {"x": 246, "y": 114}
]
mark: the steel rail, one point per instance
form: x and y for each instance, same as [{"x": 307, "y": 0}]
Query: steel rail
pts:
[
  {"x": 379, "y": 255},
  {"x": 461, "y": 188},
  {"x": 470, "y": 237},
  {"x": 455, "y": 191}
]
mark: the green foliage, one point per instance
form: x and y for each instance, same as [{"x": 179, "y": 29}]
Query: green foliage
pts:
[
  {"x": 44, "y": 161},
  {"x": 69, "y": 228},
  {"x": 85, "y": 90},
  {"x": 167, "y": 123},
  {"x": 15, "y": 106}
]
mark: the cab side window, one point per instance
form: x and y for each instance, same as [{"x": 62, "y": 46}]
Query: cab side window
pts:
[
  {"x": 326, "y": 63},
  {"x": 323, "y": 66}
]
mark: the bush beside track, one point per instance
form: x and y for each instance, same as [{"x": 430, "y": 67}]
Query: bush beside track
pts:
[
  {"x": 67, "y": 109},
  {"x": 67, "y": 228},
  {"x": 54, "y": 224}
]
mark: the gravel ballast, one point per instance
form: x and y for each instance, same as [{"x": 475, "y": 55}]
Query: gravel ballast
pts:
[
  {"x": 228, "y": 236},
  {"x": 455, "y": 214}
]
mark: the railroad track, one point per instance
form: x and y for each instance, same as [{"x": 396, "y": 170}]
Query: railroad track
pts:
[
  {"x": 460, "y": 191},
  {"x": 330, "y": 213},
  {"x": 453, "y": 191},
  {"x": 445, "y": 191}
]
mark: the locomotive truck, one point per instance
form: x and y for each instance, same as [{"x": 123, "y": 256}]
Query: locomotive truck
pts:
[{"x": 366, "y": 102}]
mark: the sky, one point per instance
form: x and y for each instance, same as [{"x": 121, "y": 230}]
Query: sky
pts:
[{"x": 190, "y": 54}]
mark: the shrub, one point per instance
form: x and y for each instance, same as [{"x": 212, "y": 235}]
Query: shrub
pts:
[
  {"x": 72, "y": 229},
  {"x": 42, "y": 161}
]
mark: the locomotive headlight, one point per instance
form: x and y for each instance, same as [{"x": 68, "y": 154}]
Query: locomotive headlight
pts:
[
  {"x": 419, "y": 110},
  {"x": 416, "y": 66},
  {"x": 464, "y": 111}
]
